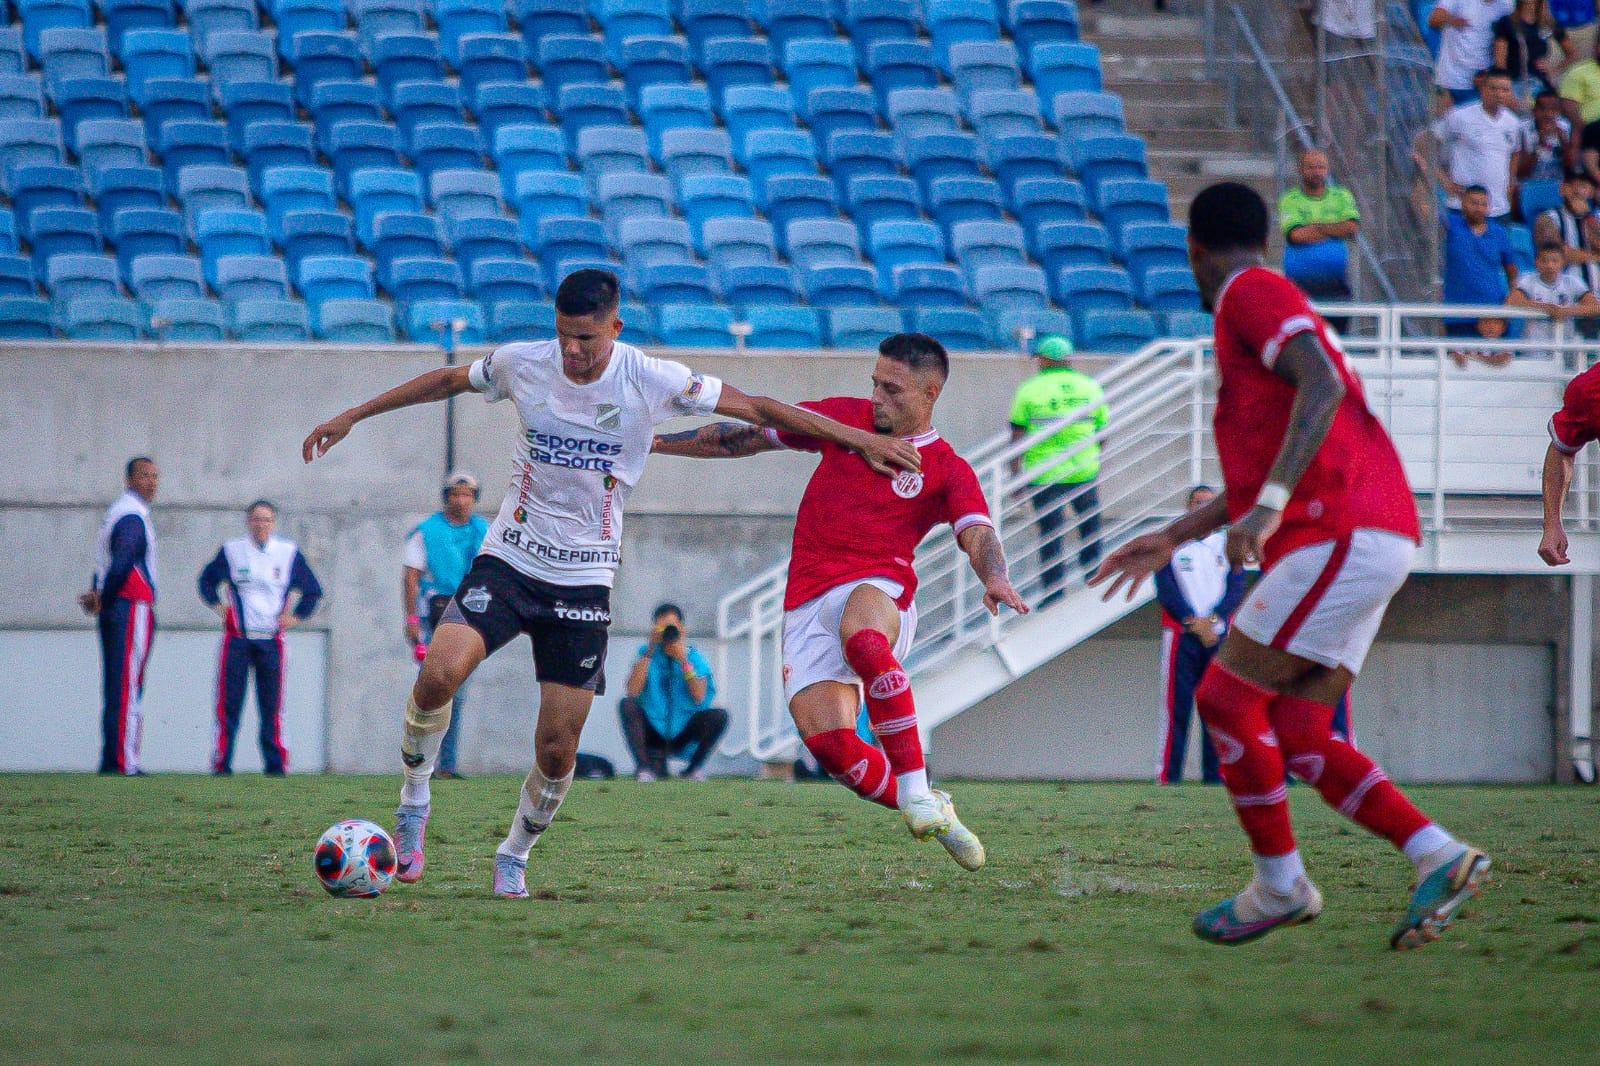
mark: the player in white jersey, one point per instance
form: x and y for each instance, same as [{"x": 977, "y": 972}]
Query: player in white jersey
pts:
[
  {"x": 1550, "y": 288},
  {"x": 589, "y": 406}
]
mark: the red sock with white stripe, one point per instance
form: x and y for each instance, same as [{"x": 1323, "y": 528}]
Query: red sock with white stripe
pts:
[
  {"x": 890, "y": 708},
  {"x": 1351, "y": 783},
  {"x": 855, "y": 764},
  {"x": 1235, "y": 715}
]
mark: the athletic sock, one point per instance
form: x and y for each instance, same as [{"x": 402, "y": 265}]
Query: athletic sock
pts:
[
  {"x": 890, "y": 708},
  {"x": 536, "y": 807},
  {"x": 855, "y": 764},
  {"x": 1235, "y": 715},
  {"x": 1430, "y": 848},
  {"x": 420, "y": 741},
  {"x": 1280, "y": 872},
  {"x": 1348, "y": 781}
]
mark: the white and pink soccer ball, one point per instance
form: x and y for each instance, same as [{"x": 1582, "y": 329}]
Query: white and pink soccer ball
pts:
[{"x": 354, "y": 859}]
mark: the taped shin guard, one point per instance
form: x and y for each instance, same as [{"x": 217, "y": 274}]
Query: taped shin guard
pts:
[
  {"x": 855, "y": 764},
  {"x": 890, "y": 707},
  {"x": 1351, "y": 783},
  {"x": 1235, "y": 715},
  {"x": 420, "y": 742},
  {"x": 536, "y": 807}
]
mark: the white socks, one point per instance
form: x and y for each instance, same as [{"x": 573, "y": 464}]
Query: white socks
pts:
[
  {"x": 420, "y": 741},
  {"x": 912, "y": 784},
  {"x": 537, "y": 805},
  {"x": 1280, "y": 872},
  {"x": 1430, "y": 848}
]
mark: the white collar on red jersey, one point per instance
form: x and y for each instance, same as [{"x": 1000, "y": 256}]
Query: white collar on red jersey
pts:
[
  {"x": 922, "y": 439},
  {"x": 1217, "y": 303}
]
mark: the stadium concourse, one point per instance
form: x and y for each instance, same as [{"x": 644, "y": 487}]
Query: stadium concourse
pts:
[{"x": 784, "y": 171}]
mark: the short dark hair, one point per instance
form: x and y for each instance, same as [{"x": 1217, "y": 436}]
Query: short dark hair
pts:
[
  {"x": 589, "y": 291},
  {"x": 268, "y": 504},
  {"x": 1546, "y": 94},
  {"x": 1202, "y": 487},
  {"x": 1551, "y": 246},
  {"x": 917, "y": 351},
  {"x": 1228, "y": 217},
  {"x": 133, "y": 464},
  {"x": 1495, "y": 72},
  {"x": 1475, "y": 189},
  {"x": 666, "y": 608}
]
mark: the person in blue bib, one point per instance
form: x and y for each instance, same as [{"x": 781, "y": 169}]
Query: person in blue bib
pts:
[
  {"x": 437, "y": 555},
  {"x": 668, "y": 707}
]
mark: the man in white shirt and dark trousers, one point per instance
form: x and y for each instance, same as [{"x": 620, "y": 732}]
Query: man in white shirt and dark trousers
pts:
[
  {"x": 1480, "y": 143},
  {"x": 1466, "y": 42},
  {"x": 260, "y": 571}
]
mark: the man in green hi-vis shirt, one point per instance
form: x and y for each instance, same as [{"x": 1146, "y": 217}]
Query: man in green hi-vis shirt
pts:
[{"x": 1062, "y": 466}]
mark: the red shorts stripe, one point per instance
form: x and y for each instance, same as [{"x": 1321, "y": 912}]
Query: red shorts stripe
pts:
[{"x": 1308, "y": 603}]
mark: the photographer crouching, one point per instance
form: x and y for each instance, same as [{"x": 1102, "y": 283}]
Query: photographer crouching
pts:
[{"x": 667, "y": 710}]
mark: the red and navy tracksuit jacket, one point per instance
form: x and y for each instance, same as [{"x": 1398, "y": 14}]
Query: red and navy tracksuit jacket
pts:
[
  {"x": 1197, "y": 583},
  {"x": 259, "y": 579},
  {"x": 125, "y": 577}
]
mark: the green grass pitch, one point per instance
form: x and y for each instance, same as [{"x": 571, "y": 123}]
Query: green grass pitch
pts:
[{"x": 176, "y": 919}]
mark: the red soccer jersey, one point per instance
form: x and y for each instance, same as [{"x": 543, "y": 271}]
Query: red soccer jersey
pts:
[
  {"x": 855, "y": 523},
  {"x": 1355, "y": 481},
  {"x": 1578, "y": 421}
]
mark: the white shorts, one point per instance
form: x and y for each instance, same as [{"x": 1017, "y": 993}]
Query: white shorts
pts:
[
  {"x": 1324, "y": 602},
  {"x": 812, "y": 650}
]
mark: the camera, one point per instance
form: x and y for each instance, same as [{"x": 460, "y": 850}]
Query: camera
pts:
[{"x": 670, "y": 634}]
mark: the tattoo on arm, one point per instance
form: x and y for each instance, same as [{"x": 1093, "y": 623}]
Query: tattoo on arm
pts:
[
  {"x": 719, "y": 440},
  {"x": 1318, "y": 392},
  {"x": 987, "y": 555}
]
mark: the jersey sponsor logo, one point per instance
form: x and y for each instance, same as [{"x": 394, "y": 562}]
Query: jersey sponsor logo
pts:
[
  {"x": 516, "y": 538},
  {"x": 588, "y": 664},
  {"x": 520, "y": 514},
  {"x": 476, "y": 600},
  {"x": 691, "y": 392},
  {"x": 907, "y": 483},
  {"x": 608, "y": 416},
  {"x": 890, "y": 684},
  {"x": 582, "y": 614},
  {"x": 573, "y": 453}
]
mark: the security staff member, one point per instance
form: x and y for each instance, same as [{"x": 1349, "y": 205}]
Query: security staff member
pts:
[
  {"x": 1062, "y": 467},
  {"x": 437, "y": 555},
  {"x": 260, "y": 570},
  {"x": 123, "y": 599}
]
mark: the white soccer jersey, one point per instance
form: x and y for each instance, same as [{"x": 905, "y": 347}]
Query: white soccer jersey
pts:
[
  {"x": 582, "y": 448},
  {"x": 1565, "y": 291},
  {"x": 1201, "y": 568}
]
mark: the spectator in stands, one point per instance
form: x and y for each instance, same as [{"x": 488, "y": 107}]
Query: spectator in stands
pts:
[
  {"x": 1465, "y": 42},
  {"x": 438, "y": 554},
  {"x": 1063, "y": 467},
  {"x": 1479, "y": 144},
  {"x": 1577, "y": 19},
  {"x": 122, "y": 598},
  {"x": 1575, "y": 226},
  {"x": 668, "y": 707},
  {"x": 1318, "y": 221},
  {"x": 1580, "y": 91},
  {"x": 1548, "y": 148},
  {"x": 1549, "y": 288},
  {"x": 1522, "y": 42},
  {"x": 1478, "y": 269}
]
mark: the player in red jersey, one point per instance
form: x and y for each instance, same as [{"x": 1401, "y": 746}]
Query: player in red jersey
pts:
[
  {"x": 1576, "y": 424},
  {"x": 849, "y": 618},
  {"x": 1317, "y": 495}
]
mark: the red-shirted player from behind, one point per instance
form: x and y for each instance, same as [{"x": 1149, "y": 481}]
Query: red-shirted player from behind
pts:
[
  {"x": 1316, "y": 493},
  {"x": 1576, "y": 424},
  {"x": 849, "y": 617}
]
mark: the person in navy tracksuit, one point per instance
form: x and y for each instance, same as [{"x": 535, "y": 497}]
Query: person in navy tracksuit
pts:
[
  {"x": 122, "y": 598},
  {"x": 260, "y": 570}
]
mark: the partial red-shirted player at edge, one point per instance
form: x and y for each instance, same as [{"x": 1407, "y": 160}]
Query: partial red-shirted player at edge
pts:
[
  {"x": 849, "y": 616},
  {"x": 1317, "y": 495}
]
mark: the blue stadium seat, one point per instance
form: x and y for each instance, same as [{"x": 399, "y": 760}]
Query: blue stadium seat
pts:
[
  {"x": 276, "y": 144},
  {"x": 73, "y": 52},
  {"x": 1187, "y": 324},
  {"x": 519, "y": 148},
  {"x": 687, "y": 152},
  {"x": 98, "y": 319},
  {"x": 942, "y": 155},
  {"x": 26, "y": 318},
  {"x": 555, "y": 238},
  {"x": 1100, "y": 159},
  {"x": 862, "y": 327},
  {"x": 895, "y": 242},
  {"x": 398, "y": 235},
  {"x": 164, "y": 100},
  {"x": 952, "y": 200},
  {"x": 1168, "y": 288},
  {"x": 569, "y": 59},
  {"x": 959, "y": 329},
  {"x": 410, "y": 280},
  {"x": 250, "y": 277},
  {"x": 180, "y": 318},
  {"x": 777, "y": 326},
  {"x": 434, "y": 322},
  {"x": 183, "y": 143},
  {"x": 704, "y": 20},
  {"x": 522, "y": 321},
  {"x": 155, "y": 53},
  {"x": 382, "y": 18},
  {"x": 840, "y": 285},
  {"x": 40, "y": 16},
  {"x": 438, "y": 146},
  {"x": 1071, "y": 244},
  {"x": 29, "y": 142},
  {"x": 315, "y": 233},
  {"x": 1009, "y": 323},
  {"x": 79, "y": 100},
  {"x": 997, "y": 113},
  {"x": 707, "y": 196},
  {"x": 247, "y": 102},
  {"x": 1036, "y": 22},
  {"x": 240, "y": 55},
  {"x": 612, "y": 149},
  {"x": 548, "y": 18},
  {"x": 355, "y": 322},
  {"x": 979, "y": 244},
  {"x": 378, "y": 190},
  {"x": 335, "y": 277},
  {"x": 16, "y": 276},
  {"x": 730, "y": 61},
  {"x": 1025, "y": 157},
  {"x": 403, "y": 57},
  {"x": 984, "y": 66},
  {"x": 818, "y": 62},
  {"x": 834, "y": 108},
  {"x": 465, "y": 193},
  {"x": 738, "y": 241},
  {"x": 621, "y": 20},
  {"x": 1015, "y": 285},
  {"x": 460, "y": 19},
  {"x": 790, "y": 20},
  {"x": 1521, "y": 245},
  {"x": 645, "y": 240},
  {"x": 8, "y": 232},
  {"x": 124, "y": 15},
  {"x": 137, "y": 231},
  {"x": 667, "y": 107},
  {"x": 789, "y": 197},
  {"x": 423, "y": 103},
  {"x": 298, "y": 16},
  {"x": 773, "y": 153},
  {"x": 356, "y": 146},
  {"x": 121, "y": 187},
  {"x": 1124, "y": 201},
  {"x": 163, "y": 277},
  {"x": 874, "y": 198},
  {"x": 13, "y": 57},
  {"x": 541, "y": 193},
  {"x": 665, "y": 283},
  {"x": 206, "y": 187},
  {"x": 871, "y": 21},
  {"x": 852, "y": 153},
  {"x": 33, "y": 187},
  {"x": 747, "y": 108},
  {"x": 958, "y": 21},
  {"x": 493, "y": 281},
  {"x": 55, "y": 231},
  {"x": 225, "y": 233},
  {"x": 1065, "y": 66},
  {"x": 1093, "y": 287},
  {"x": 697, "y": 325},
  {"x": 21, "y": 96},
  {"x": 488, "y": 59},
  {"x": 1537, "y": 197},
  {"x": 333, "y": 102},
  {"x": 501, "y": 104},
  {"x": 271, "y": 320},
  {"x": 638, "y": 324},
  {"x": 322, "y": 55},
  {"x": 1088, "y": 114},
  {"x": 927, "y": 285},
  {"x": 913, "y": 112},
  {"x": 1146, "y": 245},
  {"x": 285, "y": 189},
  {"x": 474, "y": 239},
  {"x": 584, "y": 105},
  {"x": 654, "y": 60},
  {"x": 208, "y": 17},
  {"x": 1036, "y": 201},
  {"x": 1101, "y": 330},
  {"x": 812, "y": 242},
  {"x": 897, "y": 64}
]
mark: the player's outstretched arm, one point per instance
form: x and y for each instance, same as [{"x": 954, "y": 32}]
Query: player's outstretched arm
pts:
[
  {"x": 435, "y": 385},
  {"x": 1557, "y": 480},
  {"x": 988, "y": 558},
  {"x": 1129, "y": 565},
  {"x": 719, "y": 440},
  {"x": 886, "y": 455}
]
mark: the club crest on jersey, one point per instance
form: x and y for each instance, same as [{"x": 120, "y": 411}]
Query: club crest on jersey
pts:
[
  {"x": 691, "y": 391},
  {"x": 608, "y": 416},
  {"x": 609, "y": 482},
  {"x": 907, "y": 483},
  {"x": 520, "y": 514},
  {"x": 476, "y": 600}
]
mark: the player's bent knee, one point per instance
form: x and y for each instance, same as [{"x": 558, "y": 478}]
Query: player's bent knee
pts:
[{"x": 422, "y": 723}]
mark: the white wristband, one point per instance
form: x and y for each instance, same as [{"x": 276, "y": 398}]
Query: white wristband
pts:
[{"x": 1273, "y": 496}]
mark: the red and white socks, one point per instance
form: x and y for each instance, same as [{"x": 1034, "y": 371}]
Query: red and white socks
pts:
[
  {"x": 890, "y": 709},
  {"x": 855, "y": 764}
]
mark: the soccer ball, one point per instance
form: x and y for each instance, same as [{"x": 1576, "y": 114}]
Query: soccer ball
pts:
[{"x": 354, "y": 859}]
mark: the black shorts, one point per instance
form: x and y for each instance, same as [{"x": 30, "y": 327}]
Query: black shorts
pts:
[{"x": 566, "y": 623}]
